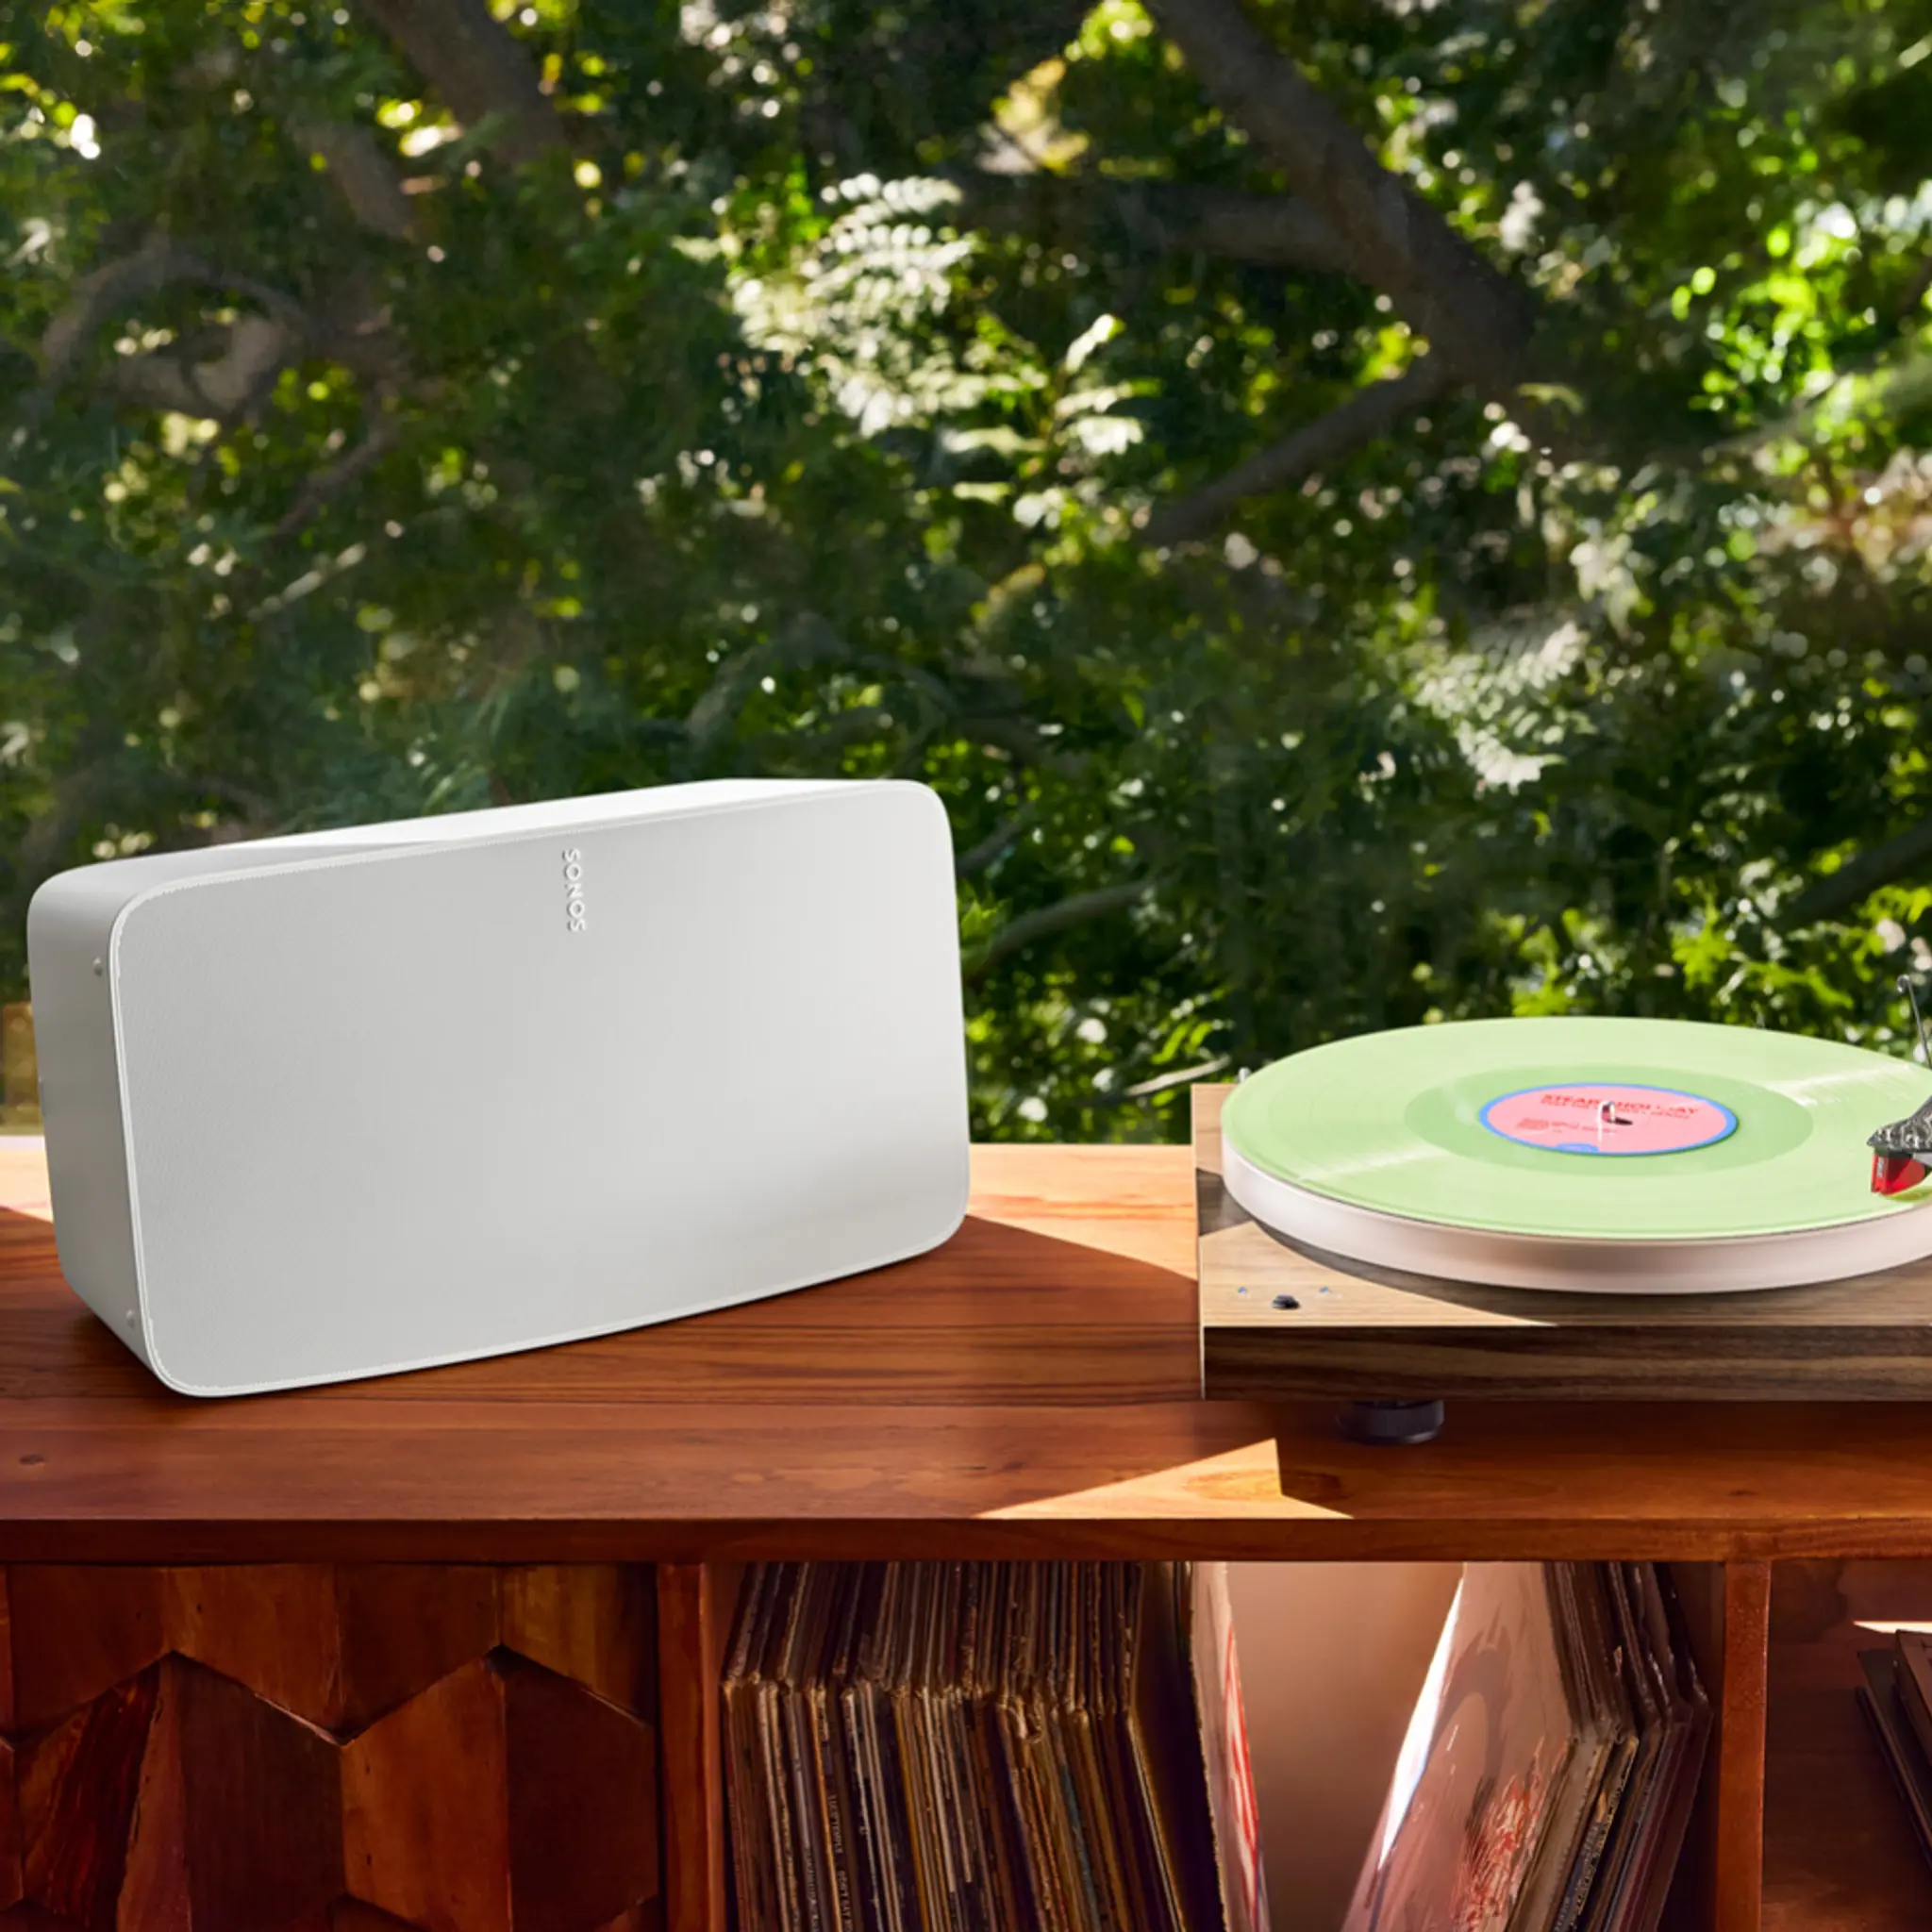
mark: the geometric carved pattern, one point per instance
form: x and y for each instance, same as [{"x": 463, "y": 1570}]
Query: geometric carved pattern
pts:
[
  {"x": 77, "y": 1788},
  {"x": 180, "y": 1785},
  {"x": 559, "y": 1738},
  {"x": 519, "y": 1747},
  {"x": 433, "y": 1851},
  {"x": 312, "y": 1747}
]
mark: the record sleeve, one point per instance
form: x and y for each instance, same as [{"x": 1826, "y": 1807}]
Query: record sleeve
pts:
[
  {"x": 1880, "y": 1698},
  {"x": 980, "y": 1747},
  {"x": 1215, "y": 1670},
  {"x": 1550, "y": 1762},
  {"x": 1567, "y": 1879},
  {"x": 1688, "y": 1734},
  {"x": 1642, "y": 1753},
  {"x": 1478, "y": 1771},
  {"x": 1914, "y": 1649}
]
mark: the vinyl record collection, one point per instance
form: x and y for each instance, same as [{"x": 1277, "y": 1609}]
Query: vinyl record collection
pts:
[
  {"x": 989, "y": 1748},
  {"x": 1897, "y": 1697},
  {"x": 1551, "y": 1765}
]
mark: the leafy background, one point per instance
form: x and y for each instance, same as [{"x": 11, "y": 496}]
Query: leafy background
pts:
[{"x": 1483, "y": 573}]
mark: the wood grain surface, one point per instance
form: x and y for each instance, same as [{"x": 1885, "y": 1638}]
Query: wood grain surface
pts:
[
  {"x": 1736, "y": 1779},
  {"x": 1838, "y": 1852},
  {"x": 695, "y": 1603},
  {"x": 1351, "y": 1330},
  {"x": 455, "y": 1784},
  {"x": 1031, "y": 1389}
]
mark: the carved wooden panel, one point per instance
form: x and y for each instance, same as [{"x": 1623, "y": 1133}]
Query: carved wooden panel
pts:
[{"x": 328, "y": 1748}]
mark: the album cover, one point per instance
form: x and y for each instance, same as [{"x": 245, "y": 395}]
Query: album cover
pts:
[
  {"x": 1480, "y": 1769},
  {"x": 1884, "y": 1700},
  {"x": 1549, "y": 1771}
]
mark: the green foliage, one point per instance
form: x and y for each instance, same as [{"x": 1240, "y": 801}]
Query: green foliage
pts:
[{"x": 736, "y": 435}]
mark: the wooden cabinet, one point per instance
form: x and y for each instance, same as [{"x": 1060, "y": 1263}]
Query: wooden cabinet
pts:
[
  {"x": 442, "y": 1649},
  {"x": 1838, "y": 1854},
  {"x": 318, "y": 1745}
]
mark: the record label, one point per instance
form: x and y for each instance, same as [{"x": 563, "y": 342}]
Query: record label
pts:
[{"x": 1607, "y": 1117}]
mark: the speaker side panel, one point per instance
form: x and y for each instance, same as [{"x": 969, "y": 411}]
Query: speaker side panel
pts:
[{"x": 69, "y": 928}]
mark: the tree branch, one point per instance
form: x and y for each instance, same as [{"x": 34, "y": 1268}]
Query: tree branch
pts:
[
  {"x": 1472, "y": 318},
  {"x": 156, "y": 264},
  {"x": 477, "y": 68},
  {"x": 252, "y": 349},
  {"x": 214, "y": 373},
  {"x": 1181, "y": 1076},
  {"x": 1837, "y": 892},
  {"x": 361, "y": 173},
  {"x": 1024, "y": 741},
  {"x": 978, "y": 858},
  {"x": 1369, "y": 413},
  {"x": 76, "y": 792},
  {"x": 218, "y": 371},
  {"x": 1029, "y": 926},
  {"x": 331, "y": 479},
  {"x": 1272, "y": 230},
  {"x": 1276, "y": 231}
]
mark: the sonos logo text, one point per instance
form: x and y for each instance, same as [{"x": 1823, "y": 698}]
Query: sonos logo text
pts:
[{"x": 574, "y": 889}]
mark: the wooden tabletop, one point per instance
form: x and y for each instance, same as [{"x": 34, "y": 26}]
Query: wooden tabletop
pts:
[{"x": 1029, "y": 1389}]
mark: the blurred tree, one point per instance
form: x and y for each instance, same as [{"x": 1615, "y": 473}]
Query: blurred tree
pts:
[{"x": 1366, "y": 511}]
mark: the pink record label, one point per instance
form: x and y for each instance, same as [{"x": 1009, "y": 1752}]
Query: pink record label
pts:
[{"x": 1604, "y": 1117}]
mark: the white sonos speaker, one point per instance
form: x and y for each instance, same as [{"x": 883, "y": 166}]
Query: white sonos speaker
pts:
[{"x": 352, "y": 1102}]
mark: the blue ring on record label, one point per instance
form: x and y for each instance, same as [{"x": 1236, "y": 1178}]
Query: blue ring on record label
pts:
[{"x": 1621, "y": 1118}]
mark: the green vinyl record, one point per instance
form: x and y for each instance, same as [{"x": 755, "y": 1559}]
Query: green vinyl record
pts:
[{"x": 1584, "y": 1129}]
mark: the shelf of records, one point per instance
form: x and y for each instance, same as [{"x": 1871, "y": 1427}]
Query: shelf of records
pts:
[{"x": 985, "y": 1747}]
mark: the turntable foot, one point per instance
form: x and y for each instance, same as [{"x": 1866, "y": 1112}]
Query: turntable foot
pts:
[{"x": 1395, "y": 1423}]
